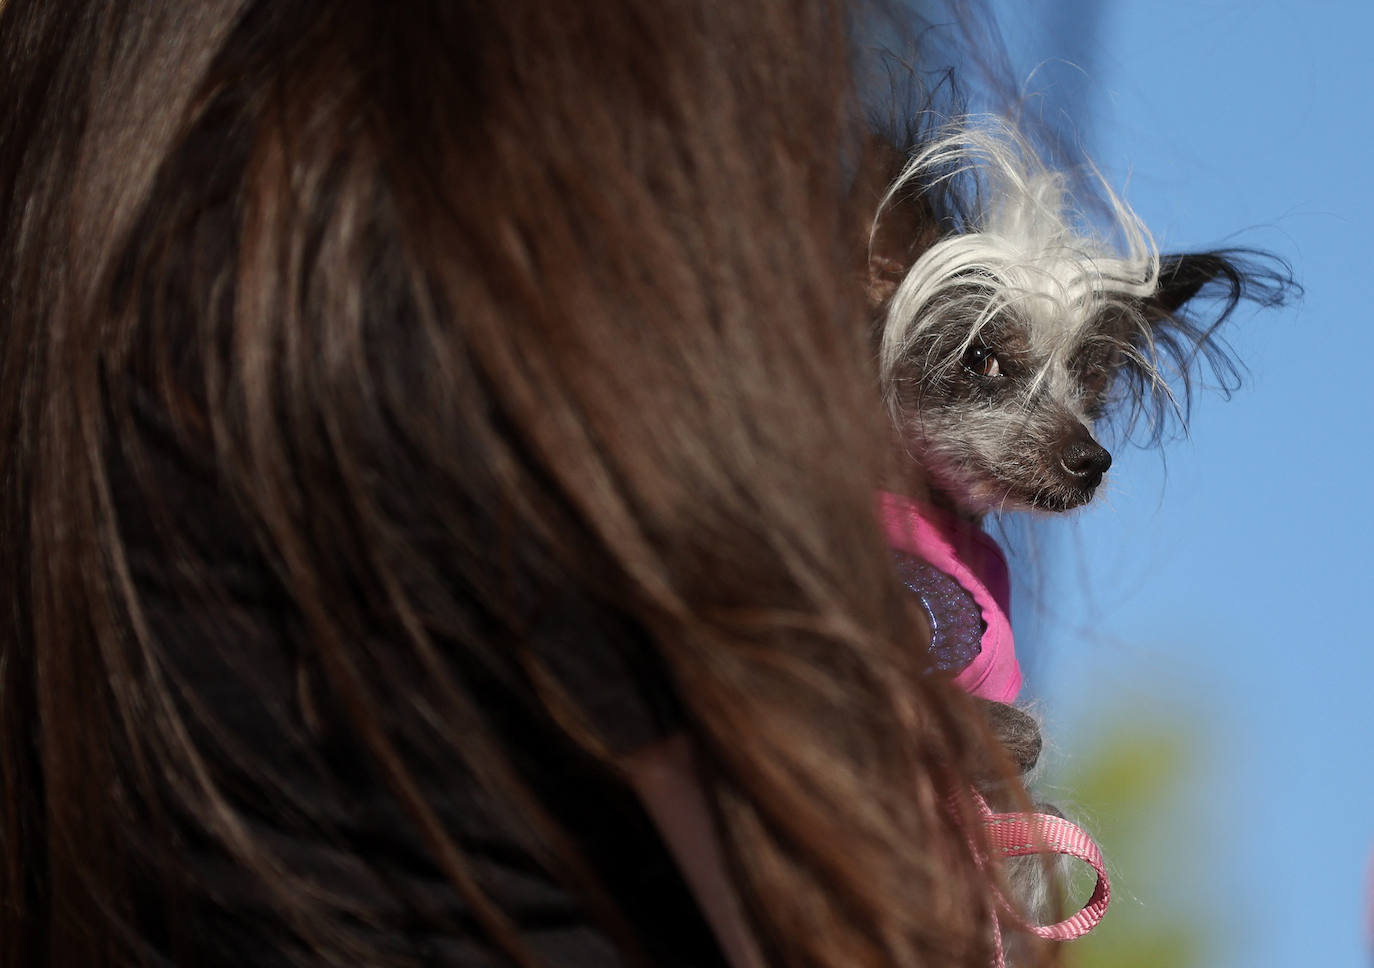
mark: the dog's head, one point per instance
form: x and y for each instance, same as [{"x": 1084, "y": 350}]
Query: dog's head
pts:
[{"x": 1006, "y": 338}]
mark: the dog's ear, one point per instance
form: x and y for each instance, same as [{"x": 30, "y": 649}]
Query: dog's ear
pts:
[
  {"x": 897, "y": 233},
  {"x": 1181, "y": 277},
  {"x": 1178, "y": 338}
]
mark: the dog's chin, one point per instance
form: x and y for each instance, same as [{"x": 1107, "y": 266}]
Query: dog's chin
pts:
[
  {"x": 1057, "y": 500},
  {"x": 1044, "y": 500}
]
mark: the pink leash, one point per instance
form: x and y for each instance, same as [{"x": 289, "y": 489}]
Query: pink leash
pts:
[{"x": 1023, "y": 834}]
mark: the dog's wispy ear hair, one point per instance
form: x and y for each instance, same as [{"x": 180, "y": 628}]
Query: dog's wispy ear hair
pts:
[
  {"x": 1183, "y": 276},
  {"x": 1197, "y": 292}
]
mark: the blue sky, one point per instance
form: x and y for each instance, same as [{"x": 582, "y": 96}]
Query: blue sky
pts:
[{"x": 1223, "y": 583}]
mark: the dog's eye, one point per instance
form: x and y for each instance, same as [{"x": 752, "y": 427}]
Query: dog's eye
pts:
[{"x": 982, "y": 360}]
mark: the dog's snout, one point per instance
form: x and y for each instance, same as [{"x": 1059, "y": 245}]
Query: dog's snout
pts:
[{"x": 1086, "y": 460}]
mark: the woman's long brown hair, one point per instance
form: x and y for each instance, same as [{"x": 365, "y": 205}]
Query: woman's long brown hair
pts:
[{"x": 447, "y": 309}]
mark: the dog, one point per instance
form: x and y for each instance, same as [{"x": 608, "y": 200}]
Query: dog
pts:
[
  {"x": 1009, "y": 325},
  {"x": 1017, "y": 307}
]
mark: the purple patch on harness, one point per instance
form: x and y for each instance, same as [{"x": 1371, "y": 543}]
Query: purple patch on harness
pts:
[{"x": 956, "y": 621}]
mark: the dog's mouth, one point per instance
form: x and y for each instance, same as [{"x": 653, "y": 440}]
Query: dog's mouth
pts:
[
  {"x": 1053, "y": 499},
  {"x": 1043, "y": 492}
]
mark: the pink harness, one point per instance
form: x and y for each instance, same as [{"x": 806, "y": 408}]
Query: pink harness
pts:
[{"x": 964, "y": 551}]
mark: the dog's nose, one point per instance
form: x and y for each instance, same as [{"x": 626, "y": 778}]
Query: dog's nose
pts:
[{"x": 1086, "y": 461}]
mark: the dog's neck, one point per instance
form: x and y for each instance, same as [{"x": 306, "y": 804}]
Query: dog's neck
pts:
[
  {"x": 904, "y": 478},
  {"x": 944, "y": 502}
]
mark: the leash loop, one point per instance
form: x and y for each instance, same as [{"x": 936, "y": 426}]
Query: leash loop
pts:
[{"x": 1024, "y": 834}]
